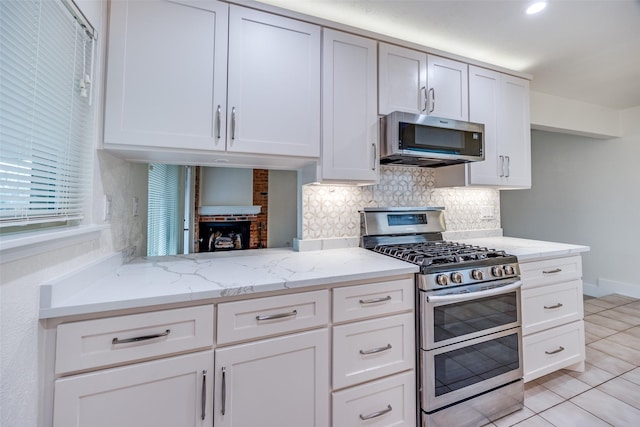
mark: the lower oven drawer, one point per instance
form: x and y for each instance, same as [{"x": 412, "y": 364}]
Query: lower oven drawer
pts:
[
  {"x": 553, "y": 349},
  {"x": 387, "y": 402},
  {"x": 460, "y": 371}
]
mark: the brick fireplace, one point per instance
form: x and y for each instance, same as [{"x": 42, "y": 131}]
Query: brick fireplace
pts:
[{"x": 232, "y": 230}]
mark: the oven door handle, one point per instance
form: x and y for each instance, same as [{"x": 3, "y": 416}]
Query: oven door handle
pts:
[{"x": 474, "y": 295}]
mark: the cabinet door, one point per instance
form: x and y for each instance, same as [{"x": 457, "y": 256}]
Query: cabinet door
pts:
[
  {"x": 448, "y": 94},
  {"x": 167, "y": 73},
  {"x": 484, "y": 90},
  {"x": 402, "y": 84},
  {"x": 274, "y": 85},
  {"x": 349, "y": 118},
  {"x": 177, "y": 391},
  {"x": 515, "y": 131},
  {"x": 274, "y": 383}
]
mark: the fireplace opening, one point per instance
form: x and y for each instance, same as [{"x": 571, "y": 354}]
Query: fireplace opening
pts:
[{"x": 224, "y": 236}]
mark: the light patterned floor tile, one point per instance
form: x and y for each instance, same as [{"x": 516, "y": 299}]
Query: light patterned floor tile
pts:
[
  {"x": 633, "y": 331},
  {"x": 597, "y": 330},
  {"x": 535, "y": 421},
  {"x": 608, "y": 408},
  {"x": 616, "y": 325},
  {"x": 538, "y": 398},
  {"x": 604, "y": 304},
  {"x": 563, "y": 385},
  {"x": 592, "y": 375},
  {"x": 617, "y": 299},
  {"x": 606, "y": 345},
  {"x": 633, "y": 376},
  {"x": 626, "y": 340},
  {"x": 620, "y": 314},
  {"x": 623, "y": 390},
  {"x": 606, "y": 361},
  {"x": 569, "y": 415},
  {"x": 592, "y": 308},
  {"x": 514, "y": 417}
]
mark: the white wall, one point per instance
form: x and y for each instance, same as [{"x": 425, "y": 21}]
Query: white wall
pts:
[
  {"x": 282, "y": 208},
  {"x": 585, "y": 191}
]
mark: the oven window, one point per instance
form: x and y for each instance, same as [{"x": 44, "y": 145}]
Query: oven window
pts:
[
  {"x": 467, "y": 317},
  {"x": 476, "y": 363}
]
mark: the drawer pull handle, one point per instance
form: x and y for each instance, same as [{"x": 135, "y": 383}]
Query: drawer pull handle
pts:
[
  {"x": 203, "y": 397},
  {"x": 375, "y": 300},
  {"x": 277, "y": 316},
  {"x": 117, "y": 340},
  {"x": 376, "y": 414},
  {"x": 556, "y": 270},
  {"x": 376, "y": 350},
  {"x": 223, "y": 398},
  {"x": 551, "y": 307},
  {"x": 558, "y": 350}
]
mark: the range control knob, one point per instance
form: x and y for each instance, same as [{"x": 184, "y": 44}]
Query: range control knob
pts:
[
  {"x": 456, "y": 277},
  {"x": 442, "y": 280},
  {"x": 509, "y": 270},
  {"x": 497, "y": 271},
  {"x": 477, "y": 275}
]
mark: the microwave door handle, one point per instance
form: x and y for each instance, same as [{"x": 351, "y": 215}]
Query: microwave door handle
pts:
[{"x": 474, "y": 295}]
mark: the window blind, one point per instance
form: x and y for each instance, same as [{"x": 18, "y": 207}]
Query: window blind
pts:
[
  {"x": 46, "y": 117},
  {"x": 164, "y": 223}
]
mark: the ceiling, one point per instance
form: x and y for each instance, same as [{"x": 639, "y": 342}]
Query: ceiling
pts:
[{"x": 587, "y": 50}]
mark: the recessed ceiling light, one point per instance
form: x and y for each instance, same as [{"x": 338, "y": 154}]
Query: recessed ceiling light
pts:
[{"x": 536, "y": 7}]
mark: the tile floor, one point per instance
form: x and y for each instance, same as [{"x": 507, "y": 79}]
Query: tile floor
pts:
[{"x": 608, "y": 392}]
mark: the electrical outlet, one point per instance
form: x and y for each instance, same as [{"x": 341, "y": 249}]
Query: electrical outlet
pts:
[
  {"x": 107, "y": 208},
  {"x": 486, "y": 212},
  {"x": 135, "y": 206}
]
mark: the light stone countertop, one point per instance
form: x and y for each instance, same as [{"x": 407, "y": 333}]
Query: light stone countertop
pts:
[
  {"x": 106, "y": 285},
  {"x": 109, "y": 285}
]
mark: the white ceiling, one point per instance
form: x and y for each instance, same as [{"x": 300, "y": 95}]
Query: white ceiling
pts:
[{"x": 587, "y": 50}]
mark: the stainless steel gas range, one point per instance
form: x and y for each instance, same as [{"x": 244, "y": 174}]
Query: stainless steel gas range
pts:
[{"x": 468, "y": 318}]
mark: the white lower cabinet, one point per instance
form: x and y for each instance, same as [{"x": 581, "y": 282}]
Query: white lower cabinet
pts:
[
  {"x": 552, "y": 316},
  {"x": 176, "y": 391},
  {"x": 276, "y": 382},
  {"x": 387, "y": 402}
]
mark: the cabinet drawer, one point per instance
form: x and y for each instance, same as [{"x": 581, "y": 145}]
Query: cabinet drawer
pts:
[
  {"x": 370, "y": 349},
  {"x": 540, "y": 273},
  {"x": 358, "y": 302},
  {"x": 553, "y": 349},
  {"x": 548, "y": 306},
  {"x": 387, "y": 402},
  {"x": 262, "y": 317},
  {"x": 116, "y": 340}
]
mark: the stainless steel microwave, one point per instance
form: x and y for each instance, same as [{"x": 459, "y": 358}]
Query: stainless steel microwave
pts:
[{"x": 419, "y": 140}]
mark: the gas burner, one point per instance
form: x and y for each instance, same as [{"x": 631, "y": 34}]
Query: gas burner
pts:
[{"x": 438, "y": 252}]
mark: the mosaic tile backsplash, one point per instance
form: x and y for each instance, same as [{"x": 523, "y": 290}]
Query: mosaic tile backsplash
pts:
[{"x": 332, "y": 211}]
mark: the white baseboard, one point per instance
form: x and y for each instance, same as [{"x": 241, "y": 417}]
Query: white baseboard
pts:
[{"x": 607, "y": 287}]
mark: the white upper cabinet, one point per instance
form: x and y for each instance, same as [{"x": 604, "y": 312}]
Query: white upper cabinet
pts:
[
  {"x": 167, "y": 74},
  {"x": 274, "y": 85},
  {"x": 168, "y": 87},
  {"x": 349, "y": 119},
  {"x": 414, "y": 82},
  {"x": 447, "y": 93},
  {"x": 501, "y": 103},
  {"x": 402, "y": 84}
]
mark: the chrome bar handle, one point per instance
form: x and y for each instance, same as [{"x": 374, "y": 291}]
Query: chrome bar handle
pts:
[
  {"x": 277, "y": 316},
  {"x": 433, "y": 99},
  {"x": 501, "y": 166},
  {"x": 376, "y": 414},
  {"x": 551, "y": 307},
  {"x": 375, "y": 155},
  {"x": 203, "y": 396},
  {"x": 508, "y": 159},
  {"x": 117, "y": 340},
  {"x": 558, "y": 350},
  {"x": 376, "y": 350},
  {"x": 233, "y": 123},
  {"x": 375, "y": 300},
  {"x": 218, "y": 121},
  {"x": 426, "y": 99},
  {"x": 555, "y": 270},
  {"x": 223, "y": 396}
]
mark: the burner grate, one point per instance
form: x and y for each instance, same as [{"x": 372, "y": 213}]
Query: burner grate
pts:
[{"x": 438, "y": 253}]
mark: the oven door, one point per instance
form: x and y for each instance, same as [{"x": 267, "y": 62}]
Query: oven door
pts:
[
  {"x": 466, "y": 312},
  {"x": 456, "y": 372}
]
